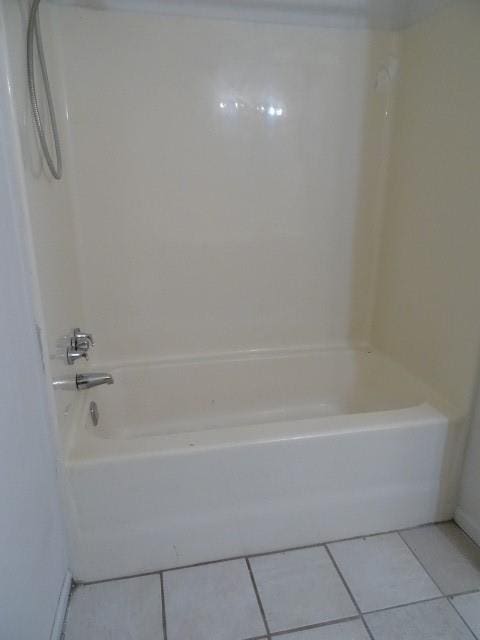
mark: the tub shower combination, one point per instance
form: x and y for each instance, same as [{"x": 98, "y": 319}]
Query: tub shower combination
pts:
[{"x": 222, "y": 193}]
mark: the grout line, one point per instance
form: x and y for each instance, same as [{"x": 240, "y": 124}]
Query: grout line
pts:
[
  {"x": 164, "y": 612},
  {"x": 257, "y": 594},
  {"x": 411, "y": 604},
  {"x": 448, "y": 595},
  {"x": 73, "y": 586},
  {"x": 474, "y": 542},
  {"x": 266, "y": 553},
  {"x": 319, "y": 625},
  {"x": 345, "y": 584},
  {"x": 367, "y": 628},
  {"x": 406, "y": 604},
  {"x": 462, "y": 618},
  {"x": 462, "y": 593},
  {"x": 414, "y": 554}
]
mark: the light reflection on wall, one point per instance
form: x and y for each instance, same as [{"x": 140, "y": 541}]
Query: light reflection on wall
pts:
[{"x": 236, "y": 105}]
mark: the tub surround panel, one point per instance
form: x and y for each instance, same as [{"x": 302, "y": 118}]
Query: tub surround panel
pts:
[
  {"x": 383, "y": 14},
  {"x": 205, "y": 227},
  {"x": 428, "y": 308}
]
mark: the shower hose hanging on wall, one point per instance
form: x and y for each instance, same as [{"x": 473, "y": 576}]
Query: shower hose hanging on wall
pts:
[{"x": 33, "y": 32}]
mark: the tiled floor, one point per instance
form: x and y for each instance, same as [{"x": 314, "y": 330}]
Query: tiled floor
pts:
[{"x": 419, "y": 584}]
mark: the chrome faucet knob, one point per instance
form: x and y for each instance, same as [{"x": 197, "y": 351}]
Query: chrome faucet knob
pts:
[
  {"x": 74, "y": 355},
  {"x": 79, "y": 344},
  {"x": 82, "y": 338}
]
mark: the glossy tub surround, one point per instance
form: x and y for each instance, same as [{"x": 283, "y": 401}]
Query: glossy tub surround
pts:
[
  {"x": 234, "y": 229},
  {"x": 427, "y": 314},
  {"x": 379, "y": 14},
  {"x": 376, "y": 456}
]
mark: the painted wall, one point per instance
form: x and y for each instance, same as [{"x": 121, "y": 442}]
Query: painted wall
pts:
[
  {"x": 33, "y": 559},
  {"x": 428, "y": 304},
  {"x": 49, "y": 205},
  {"x": 204, "y": 229}
]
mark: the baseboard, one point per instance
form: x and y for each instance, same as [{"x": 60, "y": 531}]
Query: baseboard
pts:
[
  {"x": 61, "y": 607},
  {"x": 468, "y": 524}
]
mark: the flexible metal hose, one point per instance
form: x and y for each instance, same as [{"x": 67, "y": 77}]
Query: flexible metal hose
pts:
[{"x": 33, "y": 31}]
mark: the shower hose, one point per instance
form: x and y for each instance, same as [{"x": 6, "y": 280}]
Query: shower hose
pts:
[{"x": 34, "y": 33}]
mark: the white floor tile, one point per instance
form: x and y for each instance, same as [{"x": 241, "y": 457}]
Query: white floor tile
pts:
[
  {"x": 382, "y": 572},
  {"x": 300, "y": 588},
  {"x": 352, "y": 630},
  {"x": 435, "y": 620},
  {"x": 450, "y": 557},
  {"x": 469, "y": 608},
  {"x": 123, "y": 609},
  {"x": 212, "y": 602}
]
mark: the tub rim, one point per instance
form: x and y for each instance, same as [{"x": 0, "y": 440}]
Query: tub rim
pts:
[{"x": 86, "y": 447}]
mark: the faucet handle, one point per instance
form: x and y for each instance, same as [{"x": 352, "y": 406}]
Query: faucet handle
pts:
[
  {"x": 83, "y": 340},
  {"x": 79, "y": 343},
  {"x": 73, "y": 355}
]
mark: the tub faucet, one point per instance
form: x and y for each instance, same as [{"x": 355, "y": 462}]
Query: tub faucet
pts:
[{"x": 89, "y": 380}]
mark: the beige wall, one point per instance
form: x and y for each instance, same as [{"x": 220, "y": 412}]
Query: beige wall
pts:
[
  {"x": 427, "y": 313},
  {"x": 201, "y": 230}
]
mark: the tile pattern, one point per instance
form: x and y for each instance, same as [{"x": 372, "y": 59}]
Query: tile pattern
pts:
[
  {"x": 351, "y": 630},
  {"x": 468, "y": 606},
  {"x": 382, "y": 572},
  {"x": 448, "y": 554},
  {"x": 409, "y": 585},
  {"x": 212, "y": 602},
  {"x": 306, "y": 577},
  {"x": 128, "y": 609},
  {"x": 435, "y": 620}
]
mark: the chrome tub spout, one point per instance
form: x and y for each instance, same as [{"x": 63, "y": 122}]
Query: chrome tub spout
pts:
[{"x": 89, "y": 380}]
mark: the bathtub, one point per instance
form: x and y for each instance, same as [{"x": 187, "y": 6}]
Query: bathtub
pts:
[{"x": 206, "y": 458}]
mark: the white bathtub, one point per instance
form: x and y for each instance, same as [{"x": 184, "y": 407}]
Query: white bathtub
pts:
[{"x": 197, "y": 460}]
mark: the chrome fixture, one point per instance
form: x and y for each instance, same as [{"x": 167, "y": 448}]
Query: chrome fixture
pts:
[
  {"x": 89, "y": 380},
  {"x": 94, "y": 413},
  {"x": 79, "y": 344},
  {"x": 83, "y": 340},
  {"x": 34, "y": 33},
  {"x": 64, "y": 384},
  {"x": 73, "y": 355}
]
